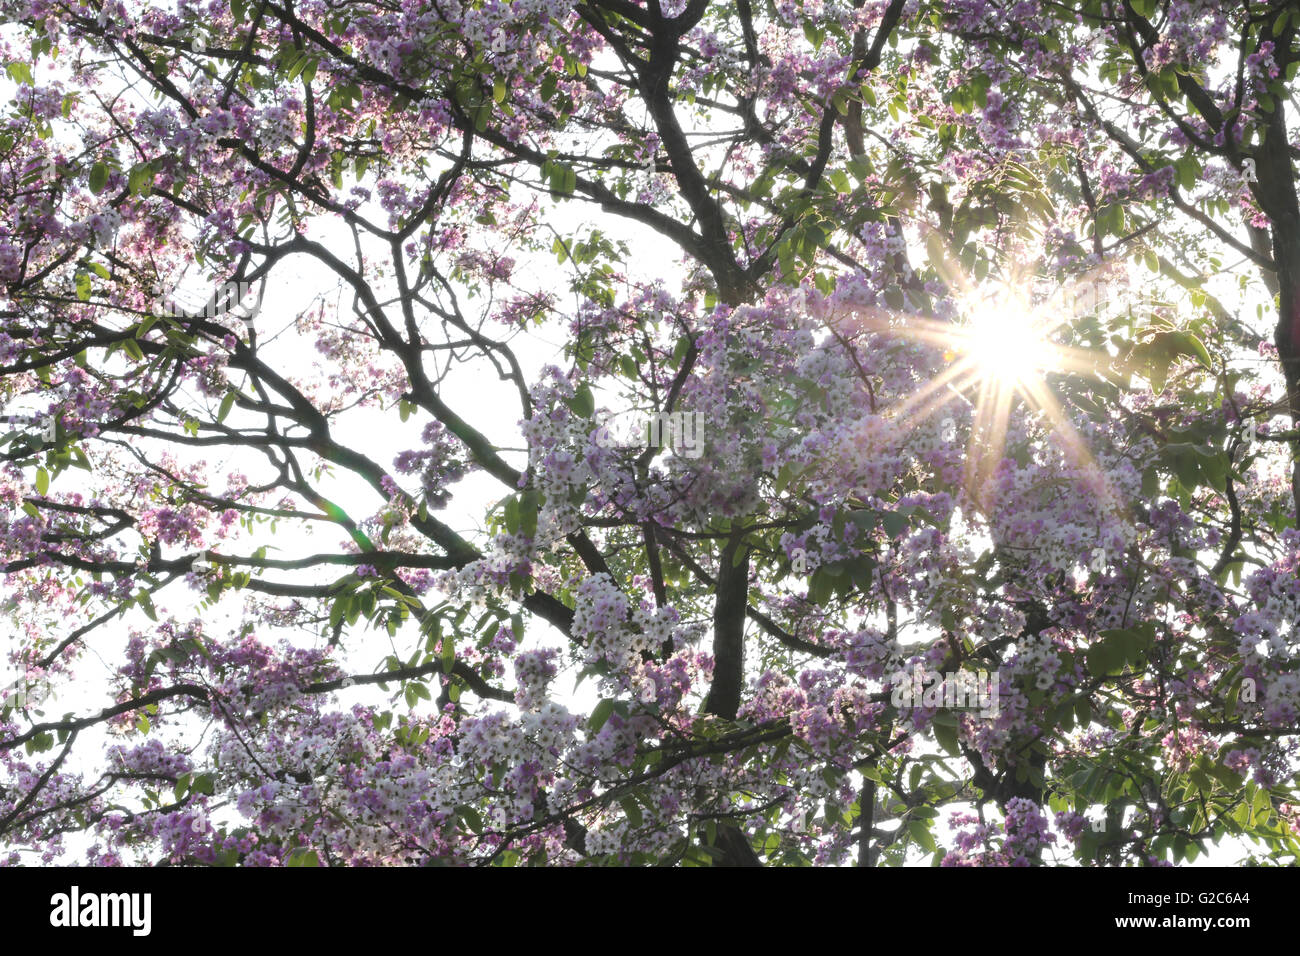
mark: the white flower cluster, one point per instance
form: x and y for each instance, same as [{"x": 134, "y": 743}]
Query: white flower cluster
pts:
[
  {"x": 607, "y": 840},
  {"x": 1283, "y": 691},
  {"x": 534, "y": 671},
  {"x": 865, "y": 453},
  {"x": 830, "y": 367},
  {"x": 517, "y": 32},
  {"x": 488, "y": 576},
  {"x": 870, "y": 653},
  {"x": 215, "y": 125},
  {"x": 935, "y": 433},
  {"x": 996, "y": 620},
  {"x": 1061, "y": 517},
  {"x": 1037, "y": 658},
  {"x": 617, "y": 636},
  {"x": 601, "y": 622},
  {"x": 276, "y": 128},
  {"x": 386, "y": 56},
  {"x": 103, "y": 227},
  {"x": 550, "y": 727},
  {"x": 527, "y": 747},
  {"x": 556, "y": 437}
]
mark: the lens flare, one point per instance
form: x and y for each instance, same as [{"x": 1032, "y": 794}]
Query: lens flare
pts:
[
  {"x": 1006, "y": 340},
  {"x": 999, "y": 351}
]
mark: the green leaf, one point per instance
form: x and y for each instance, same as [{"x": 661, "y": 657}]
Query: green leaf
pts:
[
  {"x": 20, "y": 72},
  {"x": 1083, "y": 712},
  {"x": 583, "y": 402},
  {"x": 633, "y": 811},
  {"x": 896, "y": 522},
  {"x": 600, "y": 714},
  {"x": 919, "y": 831},
  {"x": 1116, "y": 648},
  {"x": 299, "y": 64},
  {"x": 947, "y": 738},
  {"x": 340, "y": 609},
  {"x": 1186, "y": 463},
  {"x": 303, "y": 857},
  {"x": 563, "y": 179},
  {"x": 528, "y": 507},
  {"x": 1103, "y": 659},
  {"x": 820, "y": 587},
  {"x": 448, "y": 655},
  {"x": 470, "y": 817},
  {"x": 140, "y": 180},
  {"x": 98, "y": 178},
  {"x": 146, "y": 604}
]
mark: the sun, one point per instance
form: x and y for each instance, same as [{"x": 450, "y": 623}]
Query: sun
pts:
[
  {"x": 1006, "y": 339},
  {"x": 999, "y": 353}
]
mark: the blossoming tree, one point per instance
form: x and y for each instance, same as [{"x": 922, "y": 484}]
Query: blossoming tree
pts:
[{"x": 977, "y": 369}]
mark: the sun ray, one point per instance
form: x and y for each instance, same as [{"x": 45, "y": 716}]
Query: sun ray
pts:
[
  {"x": 1000, "y": 349},
  {"x": 959, "y": 375}
]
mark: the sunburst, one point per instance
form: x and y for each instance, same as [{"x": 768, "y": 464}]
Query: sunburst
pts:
[{"x": 1000, "y": 350}]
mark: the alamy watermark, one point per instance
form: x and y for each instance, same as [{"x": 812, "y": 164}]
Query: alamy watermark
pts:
[
  {"x": 683, "y": 432},
  {"x": 25, "y": 692},
  {"x": 955, "y": 690},
  {"x": 48, "y": 424},
  {"x": 76, "y": 909},
  {"x": 242, "y": 299}
]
